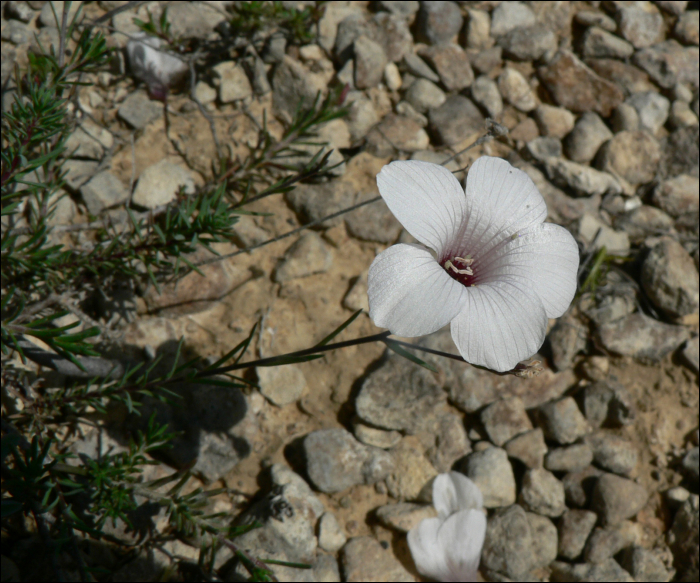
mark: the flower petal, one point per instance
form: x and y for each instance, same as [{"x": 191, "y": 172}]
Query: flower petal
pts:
[
  {"x": 502, "y": 323},
  {"x": 461, "y": 537},
  {"x": 409, "y": 293},
  {"x": 426, "y": 199},
  {"x": 428, "y": 554},
  {"x": 544, "y": 258},
  {"x": 453, "y": 492}
]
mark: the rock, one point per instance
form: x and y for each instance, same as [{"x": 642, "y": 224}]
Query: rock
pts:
[
  {"x": 615, "y": 242},
  {"x": 681, "y": 115},
  {"x": 392, "y": 77},
  {"x": 312, "y": 202},
  {"x": 292, "y": 84},
  {"x": 326, "y": 569},
  {"x": 528, "y": 43},
  {"x": 574, "y": 528},
  {"x": 405, "y": 515},
  {"x": 350, "y": 29},
  {"x": 596, "y": 368},
  {"x": 616, "y": 499},
  {"x": 451, "y": 64},
  {"x": 331, "y": 537},
  {"x": 599, "y": 43},
  {"x": 625, "y": 118},
  {"x": 642, "y": 337},
  {"x": 541, "y": 149},
  {"x": 450, "y": 442},
  {"x": 644, "y": 221},
  {"x": 404, "y": 9},
  {"x": 652, "y": 109},
  {"x": 567, "y": 338},
  {"x": 554, "y": 122},
  {"x": 281, "y": 385},
  {"x": 542, "y": 493},
  {"x": 362, "y": 115},
  {"x": 411, "y": 470},
  {"x": 356, "y": 298},
  {"x": 370, "y": 61},
  {"x": 578, "y": 88},
  {"x": 307, "y": 256},
  {"x": 613, "y": 453},
  {"x": 438, "y": 22},
  {"x": 627, "y": 77},
  {"x": 632, "y": 156},
  {"x": 676, "y": 497},
  {"x": 375, "y": 437},
  {"x": 608, "y": 403},
  {"x": 562, "y": 421},
  {"x": 509, "y": 15},
  {"x": 680, "y": 153},
  {"x": 668, "y": 63},
  {"x": 687, "y": 28},
  {"x": 394, "y": 36},
  {"x": 15, "y": 32},
  {"x": 53, "y": 10},
  {"x": 593, "y": 18},
  {"x": 336, "y": 461},
  {"x": 569, "y": 459},
  {"x": 578, "y": 486},
  {"x": 485, "y": 92},
  {"x": 528, "y": 448},
  {"x": 204, "y": 93},
  {"x": 491, "y": 471},
  {"x": 516, "y": 90},
  {"x": 424, "y": 95},
  {"x": 193, "y": 20},
  {"x": 138, "y": 110},
  {"x": 603, "y": 544},
  {"x": 505, "y": 419},
  {"x": 544, "y": 538},
  {"x": 691, "y": 462},
  {"x": 644, "y": 565},
  {"x": 608, "y": 571},
  {"x": 478, "y": 30},
  {"x": 642, "y": 28},
  {"x": 683, "y": 538},
  {"x": 420, "y": 68},
  {"x": 396, "y": 131},
  {"x": 398, "y": 395},
  {"x": 690, "y": 354},
  {"x": 160, "y": 184},
  {"x": 457, "y": 120},
  {"x": 44, "y": 41},
  {"x": 20, "y": 11},
  {"x": 294, "y": 485},
  {"x": 582, "y": 180},
  {"x": 103, "y": 191},
  {"x": 509, "y": 547},
  {"x": 675, "y": 7},
  {"x": 364, "y": 559},
  {"x": 231, "y": 81}
]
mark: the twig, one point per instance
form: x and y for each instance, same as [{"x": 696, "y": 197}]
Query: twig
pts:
[{"x": 494, "y": 130}]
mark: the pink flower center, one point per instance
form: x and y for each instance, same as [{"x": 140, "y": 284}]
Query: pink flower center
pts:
[{"x": 461, "y": 269}]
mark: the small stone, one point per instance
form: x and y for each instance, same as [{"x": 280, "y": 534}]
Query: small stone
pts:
[
  {"x": 680, "y": 153},
  {"x": 326, "y": 569},
  {"x": 138, "y": 110},
  {"x": 364, "y": 559},
  {"x": 193, "y": 21},
  {"x": 396, "y": 131},
  {"x": 690, "y": 354},
  {"x": 683, "y": 538},
  {"x": 491, "y": 471},
  {"x": 554, "y": 122},
  {"x": 670, "y": 279},
  {"x": 438, "y": 22},
  {"x": 603, "y": 544},
  {"x": 644, "y": 221},
  {"x": 528, "y": 448},
  {"x": 687, "y": 28},
  {"x": 411, "y": 471},
  {"x": 675, "y": 7},
  {"x": 292, "y": 84},
  {"x": 370, "y": 61},
  {"x": 627, "y": 77},
  {"x": 608, "y": 403},
  {"x": 424, "y": 95},
  {"x": 356, "y": 298},
  {"x": 581, "y": 180},
  {"x": 528, "y": 43},
  {"x": 616, "y": 499},
  {"x": 574, "y": 528},
  {"x": 373, "y": 222},
  {"x": 15, "y": 32},
  {"x": 78, "y": 172},
  {"x": 456, "y": 121},
  {"x": 451, "y": 64},
  {"x": 691, "y": 464},
  {"x": 606, "y": 572},
  {"x": 450, "y": 442},
  {"x": 540, "y": 149},
  {"x": 668, "y": 63},
  {"x": 567, "y": 338},
  {"x": 644, "y": 565},
  {"x": 485, "y": 92},
  {"x": 640, "y": 27},
  {"x": 569, "y": 459},
  {"x": 525, "y": 132},
  {"x": 392, "y": 77},
  {"x": 204, "y": 93},
  {"x": 375, "y": 437},
  {"x": 652, "y": 109},
  {"x": 331, "y": 537},
  {"x": 509, "y": 545},
  {"x": 362, "y": 115},
  {"x": 676, "y": 496},
  {"x": 681, "y": 115},
  {"x": 505, "y": 419},
  {"x": 632, "y": 156},
  {"x": 563, "y": 421},
  {"x": 281, "y": 385},
  {"x": 542, "y": 493},
  {"x": 625, "y": 118},
  {"x": 478, "y": 30},
  {"x": 315, "y": 201},
  {"x": 335, "y": 461},
  {"x": 160, "y": 184},
  {"x": 420, "y": 68},
  {"x": 613, "y": 453},
  {"x": 103, "y": 191},
  {"x": 405, "y": 515},
  {"x": 487, "y": 60},
  {"x": 19, "y": 10},
  {"x": 578, "y": 88},
  {"x": 585, "y": 140},
  {"x": 309, "y": 255},
  {"x": 578, "y": 486},
  {"x": 509, "y": 15},
  {"x": 545, "y": 540},
  {"x": 394, "y": 36},
  {"x": 596, "y": 368},
  {"x": 615, "y": 242},
  {"x": 598, "y": 43},
  {"x": 53, "y": 10},
  {"x": 592, "y": 18},
  {"x": 231, "y": 81},
  {"x": 516, "y": 90},
  {"x": 405, "y": 9}
]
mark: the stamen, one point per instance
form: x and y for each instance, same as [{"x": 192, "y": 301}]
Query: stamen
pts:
[
  {"x": 467, "y": 271},
  {"x": 466, "y": 260}
]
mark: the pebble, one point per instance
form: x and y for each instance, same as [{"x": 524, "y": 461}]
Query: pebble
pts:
[
  {"x": 438, "y": 22},
  {"x": 418, "y": 67},
  {"x": 562, "y": 421},
  {"x": 528, "y": 448},
  {"x": 491, "y": 471},
  {"x": 364, "y": 559},
  {"x": 404, "y": 516},
  {"x": 582, "y": 180},
  {"x": 578, "y": 88},
  {"x": 625, "y": 118},
  {"x": 528, "y": 43},
  {"x": 574, "y": 528},
  {"x": 683, "y": 538},
  {"x": 424, "y": 95},
  {"x": 569, "y": 459},
  {"x": 394, "y": 36},
  {"x": 690, "y": 464},
  {"x": 19, "y": 10},
  {"x": 554, "y": 122},
  {"x": 411, "y": 470},
  {"x": 596, "y": 368},
  {"x": 676, "y": 496},
  {"x": 578, "y": 486},
  {"x": 103, "y": 191},
  {"x": 668, "y": 63},
  {"x": 640, "y": 27},
  {"x": 138, "y": 110},
  {"x": 375, "y": 437},
  {"x": 516, "y": 90},
  {"x": 690, "y": 354},
  {"x": 204, "y": 93},
  {"x": 652, "y": 108},
  {"x": 349, "y": 30},
  {"x": 450, "y": 442},
  {"x": 616, "y": 499},
  {"x": 293, "y": 83},
  {"x": 326, "y": 569},
  {"x": 281, "y": 385},
  {"x": 680, "y": 152},
  {"x": 687, "y": 28},
  {"x": 487, "y": 60},
  {"x": 627, "y": 77},
  {"x": 15, "y": 32},
  {"x": 644, "y": 565},
  {"x": 509, "y": 15},
  {"x": 370, "y": 60},
  {"x": 567, "y": 338},
  {"x": 644, "y": 221},
  {"x": 608, "y": 403},
  {"x": 593, "y": 18},
  {"x": 542, "y": 493},
  {"x": 231, "y": 82},
  {"x": 52, "y": 10},
  {"x": 545, "y": 540},
  {"x": 681, "y": 115},
  {"x": 584, "y": 141},
  {"x": 599, "y": 43},
  {"x": 336, "y": 461},
  {"x": 452, "y": 66},
  {"x": 675, "y": 7},
  {"x": 613, "y": 453},
  {"x": 606, "y": 572},
  {"x": 403, "y": 8},
  {"x": 331, "y": 537},
  {"x": 632, "y": 156},
  {"x": 307, "y": 256},
  {"x": 193, "y": 21},
  {"x": 396, "y": 131},
  {"x": 456, "y": 121},
  {"x": 392, "y": 77},
  {"x": 670, "y": 279},
  {"x": 505, "y": 419},
  {"x": 509, "y": 547},
  {"x": 603, "y": 544},
  {"x": 478, "y": 29},
  {"x": 615, "y": 242},
  {"x": 315, "y": 201},
  {"x": 160, "y": 183},
  {"x": 484, "y": 91}
]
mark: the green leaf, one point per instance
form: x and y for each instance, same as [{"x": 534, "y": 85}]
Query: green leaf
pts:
[
  {"x": 398, "y": 349},
  {"x": 339, "y": 329}
]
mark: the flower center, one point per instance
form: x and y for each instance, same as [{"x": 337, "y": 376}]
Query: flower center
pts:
[{"x": 460, "y": 269}]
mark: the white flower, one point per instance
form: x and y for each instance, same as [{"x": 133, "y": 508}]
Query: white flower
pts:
[
  {"x": 157, "y": 68},
  {"x": 500, "y": 271},
  {"x": 448, "y": 548}
]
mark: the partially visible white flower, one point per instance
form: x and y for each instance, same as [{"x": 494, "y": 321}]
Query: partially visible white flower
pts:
[
  {"x": 158, "y": 69},
  {"x": 448, "y": 548},
  {"x": 499, "y": 272}
]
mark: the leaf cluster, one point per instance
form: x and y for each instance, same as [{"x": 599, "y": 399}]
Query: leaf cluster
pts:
[{"x": 296, "y": 25}]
